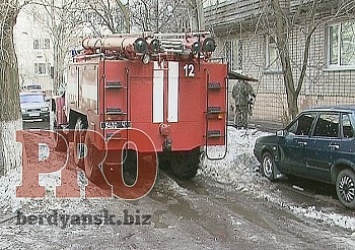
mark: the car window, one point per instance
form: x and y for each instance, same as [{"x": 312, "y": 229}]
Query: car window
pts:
[
  {"x": 327, "y": 125},
  {"x": 303, "y": 125},
  {"x": 348, "y": 131},
  {"x": 32, "y": 99}
]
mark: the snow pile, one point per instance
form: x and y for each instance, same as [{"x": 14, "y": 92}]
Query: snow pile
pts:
[
  {"x": 9, "y": 202},
  {"x": 339, "y": 220},
  {"x": 8, "y": 199},
  {"x": 239, "y": 167}
]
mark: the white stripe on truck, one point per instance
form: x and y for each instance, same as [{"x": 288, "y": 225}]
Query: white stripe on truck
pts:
[
  {"x": 173, "y": 91},
  {"x": 158, "y": 94}
]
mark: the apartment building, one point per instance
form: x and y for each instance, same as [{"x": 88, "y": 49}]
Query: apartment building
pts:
[
  {"x": 34, "y": 50},
  {"x": 249, "y": 47}
]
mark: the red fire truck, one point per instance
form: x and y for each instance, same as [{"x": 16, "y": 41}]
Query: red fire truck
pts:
[{"x": 165, "y": 85}]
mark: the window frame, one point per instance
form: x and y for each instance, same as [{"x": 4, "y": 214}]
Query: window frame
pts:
[
  {"x": 316, "y": 121},
  {"x": 338, "y": 65},
  {"x": 276, "y": 65},
  {"x": 231, "y": 55},
  {"x": 46, "y": 67},
  {"x": 315, "y": 114},
  {"x": 342, "y": 126},
  {"x": 36, "y": 44},
  {"x": 42, "y": 44}
]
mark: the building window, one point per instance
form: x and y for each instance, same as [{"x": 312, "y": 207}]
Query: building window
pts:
[
  {"x": 47, "y": 43},
  {"x": 341, "y": 40},
  {"x": 272, "y": 54},
  {"x": 42, "y": 43},
  {"x": 209, "y": 3},
  {"x": 35, "y": 44},
  {"x": 230, "y": 53},
  {"x": 42, "y": 68}
]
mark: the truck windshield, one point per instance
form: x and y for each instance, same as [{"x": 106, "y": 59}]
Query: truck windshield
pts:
[{"x": 32, "y": 99}]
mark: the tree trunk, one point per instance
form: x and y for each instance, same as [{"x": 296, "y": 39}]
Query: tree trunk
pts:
[
  {"x": 10, "y": 118},
  {"x": 126, "y": 14},
  {"x": 282, "y": 30},
  {"x": 292, "y": 105},
  {"x": 283, "y": 49}
]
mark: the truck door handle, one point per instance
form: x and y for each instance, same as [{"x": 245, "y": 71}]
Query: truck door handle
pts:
[
  {"x": 302, "y": 143},
  {"x": 333, "y": 146}
]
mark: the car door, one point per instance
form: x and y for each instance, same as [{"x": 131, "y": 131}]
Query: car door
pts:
[
  {"x": 345, "y": 152},
  {"x": 324, "y": 142},
  {"x": 294, "y": 143}
]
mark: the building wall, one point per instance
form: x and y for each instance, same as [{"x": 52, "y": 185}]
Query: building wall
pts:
[
  {"x": 322, "y": 85},
  {"x": 26, "y": 30}
]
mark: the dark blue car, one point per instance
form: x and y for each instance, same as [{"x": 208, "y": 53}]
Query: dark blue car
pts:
[{"x": 319, "y": 145}]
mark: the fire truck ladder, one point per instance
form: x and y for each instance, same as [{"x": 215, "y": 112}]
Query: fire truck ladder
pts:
[
  {"x": 213, "y": 113},
  {"x": 116, "y": 89}
]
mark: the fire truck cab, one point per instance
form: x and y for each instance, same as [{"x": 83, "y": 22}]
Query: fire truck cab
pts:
[{"x": 164, "y": 85}]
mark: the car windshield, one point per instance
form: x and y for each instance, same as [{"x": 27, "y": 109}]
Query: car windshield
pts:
[
  {"x": 31, "y": 99},
  {"x": 30, "y": 87}
]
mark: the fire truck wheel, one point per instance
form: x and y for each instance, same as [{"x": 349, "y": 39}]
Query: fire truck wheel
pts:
[
  {"x": 91, "y": 163},
  {"x": 79, "y": 137},
  {"x": 129, "y": 168},
  {"x": 185, "y": 164}
]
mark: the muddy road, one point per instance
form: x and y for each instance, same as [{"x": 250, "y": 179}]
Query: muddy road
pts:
[
  {"x": 227, "y": 205},
  {"x": 195, "y": 214}
]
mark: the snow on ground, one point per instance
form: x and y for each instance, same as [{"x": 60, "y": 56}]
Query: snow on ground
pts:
[
  {"x": 339, "y": 220},
  {"x": 239, "y": 166},
  {"x": 239, "y": 169},
  {"x": 9, "y": 202}
]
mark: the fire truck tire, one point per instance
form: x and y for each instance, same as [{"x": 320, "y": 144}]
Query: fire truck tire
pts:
[
  {"x": 185, "y": 164},
  {"x": 91, "y": 162},
  {"x": 79, "y": 137},
  {"x": 129, "y": 168}
]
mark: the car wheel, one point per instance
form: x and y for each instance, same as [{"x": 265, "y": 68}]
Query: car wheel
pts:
[
  {"x": 268, "y": 166},
  {"x": 345, "y": 186}
]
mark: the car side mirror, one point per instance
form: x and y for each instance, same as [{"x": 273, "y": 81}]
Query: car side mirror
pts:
[{"x": 281, "y": 132}]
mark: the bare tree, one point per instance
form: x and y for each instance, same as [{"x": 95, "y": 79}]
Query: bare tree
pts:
[
  {"x": 160, "y": 16},
  {"x": 281, "y": 23},
  {"x": 10, "y": 118},
  {"x": 197, "y": 15},
  {"x": 112, "y": 14}
]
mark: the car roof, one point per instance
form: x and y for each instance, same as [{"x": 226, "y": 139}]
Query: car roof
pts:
[
  {"x": 338, "y": 108},
  {"x": 30, "y": 85}
]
